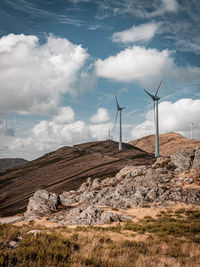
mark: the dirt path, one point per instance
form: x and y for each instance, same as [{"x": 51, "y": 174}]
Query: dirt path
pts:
[{"x": 10, "y": 219}]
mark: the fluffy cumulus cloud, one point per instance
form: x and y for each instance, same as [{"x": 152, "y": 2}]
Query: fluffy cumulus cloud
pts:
[
  {"x": 145, "y": 66},
  {"x": 34, "y": 76},
  {"x": 65, "y": 115},
  {"x": 173, "y": 116},
  {"x": 49, "y": 135},
  {"x": 143, "y": 32},
  {"x": 100, "y": 131},
  {"x": 101, "y": 116}
]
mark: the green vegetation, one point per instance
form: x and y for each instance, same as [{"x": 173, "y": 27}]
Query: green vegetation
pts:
[{"x": 169, "y": 240}]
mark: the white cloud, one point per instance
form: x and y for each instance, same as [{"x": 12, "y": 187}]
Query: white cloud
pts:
[
  {"x": 170, "y": 5},
  {"x": 65, "y": 115},
  {"x": 101, "y": 116},
  {"x": 100, "y": 131},
  {"x": 49, "y": 135},
  {"x": 34, "y": 76},
  {"x": 143, "y": 32},
  {"x": 173, "y": 116},
  {"x": 144, "y": 66},
  {"x": 134, "y": 64}
]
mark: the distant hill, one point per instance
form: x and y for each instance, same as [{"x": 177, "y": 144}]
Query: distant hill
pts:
[
  {"x": 170, "y": 143},
  {"x": 65, "y": 169},
  {"x": 6, "y": 163}
]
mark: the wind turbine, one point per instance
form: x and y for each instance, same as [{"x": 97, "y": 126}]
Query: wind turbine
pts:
[
  {"x": 119, "y": 110},
  {"x": 155, "y": 99},
  {"x": 191, "y": 128}
]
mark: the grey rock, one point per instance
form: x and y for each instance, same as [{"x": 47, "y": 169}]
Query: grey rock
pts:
[
  {"x": 13, "y": 244},
  {"x": 40, "y": 204},
  {"x": 34, "y": 232},
  {"x": 183, "y": 160},
  {"x": 96, "y": 184},
  {"x": 68, "y": 198},
  {"x": 90, "y": 216},
  {"x": 196, "y": 162},
  {"x": 86, "y": 185}
]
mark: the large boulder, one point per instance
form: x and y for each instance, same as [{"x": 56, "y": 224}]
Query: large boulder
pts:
[
  {"x": 41, "y": 204},
  {"x": 196, "y": 162},
  {"x": 68, "y": 197},
  {"x": 183, "y": 160}
]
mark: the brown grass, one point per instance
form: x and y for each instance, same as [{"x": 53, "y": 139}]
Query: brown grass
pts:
[{"x": 171, "y": 238}]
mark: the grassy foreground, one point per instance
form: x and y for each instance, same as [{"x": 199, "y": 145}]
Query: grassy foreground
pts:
[{"x": 172, "y": 239}]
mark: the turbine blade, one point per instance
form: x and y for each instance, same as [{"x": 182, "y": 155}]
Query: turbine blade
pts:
[
  {"x": 118, "y": 107},
  {"x": 158, "y": 88},
  {"x": 152, "y": 96},
  {"x": 116, "y": 118}
]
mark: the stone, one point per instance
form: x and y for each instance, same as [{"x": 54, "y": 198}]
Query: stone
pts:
[
  {"x": 68, "y": 198},
  {"x": 13, "y": 244},
  {"x": 34, "y": 232},
  {"x": 85, "y": 186},
  {"x": 196, "y": 162},
  {"x": 90, "y": 216},
  {"x": 183, "y": 160},
  {"x": 41, "y": 203},
  {"x": 96, "y": 184}
]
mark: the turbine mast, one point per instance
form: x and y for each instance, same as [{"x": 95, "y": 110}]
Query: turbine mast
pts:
[
  {"x": 120, "y": 129},
  {"x": 157, "y": 154},
  {"x": 155, "y": 99},
  {"x": 191, "y": 133},
  {"x": 119, "y": 109}
]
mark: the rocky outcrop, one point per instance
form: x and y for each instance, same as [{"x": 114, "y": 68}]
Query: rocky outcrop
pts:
[
  {"x": 90, "y": 215},
  {"x": 196, "y": 162},
  {"x": 168, "y": 180},
  {"x": 41, "y": 203},
  {"x": 185, "y": 160}
]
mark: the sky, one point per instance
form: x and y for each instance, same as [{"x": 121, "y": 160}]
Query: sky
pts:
[{"x": 62, "y": 61}]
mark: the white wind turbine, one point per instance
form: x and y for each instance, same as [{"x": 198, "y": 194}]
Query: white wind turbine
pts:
[
  {"x": 155, "y": 99},
  {"x": 119, "y": 110},
  {"x": 191, "y": 130}
]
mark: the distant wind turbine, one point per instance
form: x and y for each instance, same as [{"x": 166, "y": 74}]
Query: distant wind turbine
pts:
[
  {"x": 191, "y": 130},
  {"x": 119, "y": 110},
  {"x": 155, "y": 99}
]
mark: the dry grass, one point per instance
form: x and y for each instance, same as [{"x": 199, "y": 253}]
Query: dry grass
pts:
[{"x": 172, "y": 238}]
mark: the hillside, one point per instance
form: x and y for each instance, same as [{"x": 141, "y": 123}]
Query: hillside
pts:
[
  {"x": 6, "y": 163},
  {"x": 170, "y": 143},
  {"x": 65, "y": 169}
]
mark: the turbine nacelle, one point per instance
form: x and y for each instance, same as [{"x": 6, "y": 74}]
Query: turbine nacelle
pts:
[{"x": 155, "y": 97}]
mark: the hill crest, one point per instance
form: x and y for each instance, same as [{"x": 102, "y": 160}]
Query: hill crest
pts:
[{"x": 169, "y": 143}]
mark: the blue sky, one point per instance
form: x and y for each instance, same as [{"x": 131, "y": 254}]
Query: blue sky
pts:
[{"x": 62, "y": 61}]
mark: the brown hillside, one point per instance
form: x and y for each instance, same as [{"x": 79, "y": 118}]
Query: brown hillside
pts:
[
  {"x": 65, "y": 169},
  {"x": 170, "y": 143}
]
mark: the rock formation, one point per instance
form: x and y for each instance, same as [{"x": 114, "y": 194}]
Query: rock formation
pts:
[{"x": 168, "y": 180}]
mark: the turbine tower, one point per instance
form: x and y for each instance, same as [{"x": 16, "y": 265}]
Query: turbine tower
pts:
[
  {"x": 155, "y": 99},
  {"x": 119, "y": 110},
  {"x": 191, "y": 128}
]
